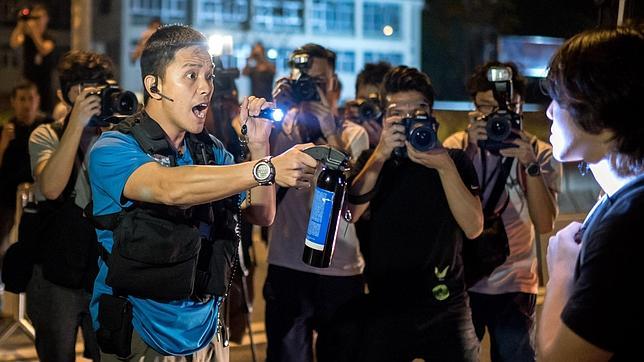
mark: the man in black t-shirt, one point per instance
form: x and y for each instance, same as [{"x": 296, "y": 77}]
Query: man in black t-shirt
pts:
[
  {"x": 38, "y": 51},
  {"x": 591, "y": 311},
  {"x": 422, "y": 206}
]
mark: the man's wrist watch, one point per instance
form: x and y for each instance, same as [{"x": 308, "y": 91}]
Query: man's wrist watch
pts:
[
  {"x": 533, "y": 169},
  {"x": 264, "y": 172}
]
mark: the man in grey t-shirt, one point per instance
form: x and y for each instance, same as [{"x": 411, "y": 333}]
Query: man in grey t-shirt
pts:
[{"x": 505, "y": 301}]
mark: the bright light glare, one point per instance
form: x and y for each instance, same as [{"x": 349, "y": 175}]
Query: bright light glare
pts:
[
  {"x": 220, "y": 44},
  {"x": 271, "y": 53},
  {"x": 388, "y": 30},
  {"x": 278, "y": 115}
]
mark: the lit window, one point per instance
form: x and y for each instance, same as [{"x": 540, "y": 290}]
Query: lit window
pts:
[
  {"x": 391, "y": 58},
  {"x": 345, "y": 62},
  {"x": 222, "y": 12},
  {"x": 381, "y": 20},
  {"x": 333, "y": 16},
  {"x": 170, "y": 11},
  {"x": 278, "y": 15}
]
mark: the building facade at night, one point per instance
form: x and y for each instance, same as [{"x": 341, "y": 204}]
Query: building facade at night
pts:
[{"x": 359, "y": 31}]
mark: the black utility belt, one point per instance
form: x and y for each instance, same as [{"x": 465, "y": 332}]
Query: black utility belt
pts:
[{"x": 154, "y": 258}]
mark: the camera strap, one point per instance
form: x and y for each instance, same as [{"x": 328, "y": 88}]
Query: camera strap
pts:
[{"x": 499, "y": 185}]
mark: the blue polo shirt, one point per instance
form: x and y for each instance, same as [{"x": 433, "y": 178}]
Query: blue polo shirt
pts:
[{"x": 178, "y": 327}]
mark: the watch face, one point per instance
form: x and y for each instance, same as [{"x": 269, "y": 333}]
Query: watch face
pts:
[{"x": 262, "y": 171}]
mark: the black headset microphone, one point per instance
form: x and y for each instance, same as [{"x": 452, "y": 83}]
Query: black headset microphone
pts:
[{"x": 155, "y": 90}]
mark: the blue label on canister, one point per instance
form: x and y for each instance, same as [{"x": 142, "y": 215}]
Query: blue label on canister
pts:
[{"x": 319, "y": 219}]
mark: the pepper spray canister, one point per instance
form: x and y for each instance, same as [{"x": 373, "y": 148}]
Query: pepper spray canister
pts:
[{"x": 326, "y": 206}]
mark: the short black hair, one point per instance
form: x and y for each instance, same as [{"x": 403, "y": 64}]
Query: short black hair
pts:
[
  {"x": 597, "y": 77},
  {"x": 372, "y": 73},
  {"x": 404, "y": 79},
  {"x": 23, "y": 85},
  {"x": 163, "y": 45},
  {"x": 478, "y": 81},
  {"x": 317, "y": 51},
  {"x": 78, "y": 66}
]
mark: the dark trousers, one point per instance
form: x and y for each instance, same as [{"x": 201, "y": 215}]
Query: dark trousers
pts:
[
  {"x": 56, "y": 313},
  {"x": 374, "y": 329},
  {"x": 298, "y": 303},
  {"x": 510, "y": 320}
]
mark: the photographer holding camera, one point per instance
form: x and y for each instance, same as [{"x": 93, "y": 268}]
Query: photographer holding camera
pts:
[
  {"x": 365, "y": 109},
  {"x": 38, "y": 51},
  {"x": 59, "y": 292},
  {"x": 505, "y": 300},
  {"x": 423, "y": 200},
  {"x": 300, "y": 298}
]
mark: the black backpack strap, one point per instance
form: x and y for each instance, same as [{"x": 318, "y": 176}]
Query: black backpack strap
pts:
[
  {"x": 498, "y": 188},
  {"x": 149, "y": 135}
]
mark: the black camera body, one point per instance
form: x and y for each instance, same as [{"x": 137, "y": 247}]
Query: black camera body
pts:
[
  {"x": 499, "y": 128},
  {"x": 304, "y": 89},
  {"x": 116, "y": 103},
  {"x": 369, "y": 109},
  {"x": 421, "y": 131},
  {"x": 502, "y": 126}
]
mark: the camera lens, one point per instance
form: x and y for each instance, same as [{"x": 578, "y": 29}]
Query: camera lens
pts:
[
  {"x": 423, "y": 138},
  {"x": 368, "y": 110},
  {"x": 499, "y": 127},
  {"x": 124, "y": 102}
]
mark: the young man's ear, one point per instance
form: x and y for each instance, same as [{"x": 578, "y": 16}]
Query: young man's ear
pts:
[{"x": 150, "y": 82}]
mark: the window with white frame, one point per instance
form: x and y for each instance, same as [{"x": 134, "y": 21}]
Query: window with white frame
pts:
[
  {"x": 381, "y": 20},
  {"x": 222, "y": 12},
  {"x": 278, "y": 15},
  {"x": 345, "y": 62},
  {"x": 170, "y": 11},
  {"x": 333, "y": 16},
  {"x": 375, "y": 57}
]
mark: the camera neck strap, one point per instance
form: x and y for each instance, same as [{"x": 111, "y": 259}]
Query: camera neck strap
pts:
[{"x": 502, "y": 171}]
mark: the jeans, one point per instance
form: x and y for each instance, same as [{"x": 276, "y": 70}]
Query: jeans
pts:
[
  {"x": 510, "y": 320},
  {"x": 298, "y": 303}
]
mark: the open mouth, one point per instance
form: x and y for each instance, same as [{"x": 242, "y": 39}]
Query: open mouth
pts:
[{"x": 200, "y": 110}]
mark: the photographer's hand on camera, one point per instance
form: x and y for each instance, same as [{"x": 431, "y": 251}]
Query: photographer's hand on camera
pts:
[
  {"x": 475, "y": 130},
  {"x": 524, "y": 152},
  {"x": 85, "y": 107},
  {"x": 283, "y": 93},
  {"x": 436, "y": 158},
  {"x": 393, "y": 136}
]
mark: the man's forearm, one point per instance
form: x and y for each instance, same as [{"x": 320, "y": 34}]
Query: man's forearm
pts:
[
  {"x": 365, "y": 182},
  {"x": 550, "y": 324},
  {"x": 44, "y": 46},
  {"x": 54, "y": 175},
  {"x": 262, "y": 198},
  {"x": 542, "y": 204},
  {"x": 465, "y": 207}
]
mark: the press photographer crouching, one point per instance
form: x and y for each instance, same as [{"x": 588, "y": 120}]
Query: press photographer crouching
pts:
[
  {"x": 167, "y": 199},
  {"x": 423, "y": 203},
  {"x": 59, "y": 292},
  {"x": 301, "y": 298},
  {"x": 519, "y": 181}
]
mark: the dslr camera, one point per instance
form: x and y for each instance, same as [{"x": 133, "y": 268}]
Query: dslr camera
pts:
[
  {"x": 369, "y": 109},
  {"x": 116, "y": 103},
  {"x": 421, "y": 131},
  {"x": 304, "y": 87},
  {"x": 502, "y": 122}
]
